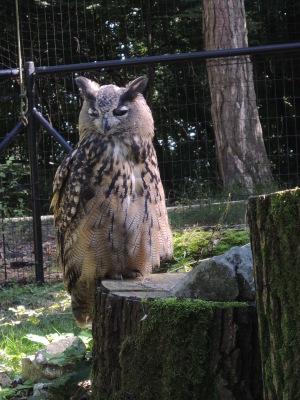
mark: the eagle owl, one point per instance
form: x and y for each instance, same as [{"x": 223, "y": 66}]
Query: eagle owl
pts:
[{"x": 109, "y": 204}]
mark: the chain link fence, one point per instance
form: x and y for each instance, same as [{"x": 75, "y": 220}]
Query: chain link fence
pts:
[{"x": 65, "y": 39}]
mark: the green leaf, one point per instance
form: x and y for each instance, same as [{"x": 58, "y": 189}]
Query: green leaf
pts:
[
  {"x": 86, "y": 337},
  {"x": 37, "y": 339},
  {"x": 6, "y": 392},
  {"x": 68, "y": 357},
  {"x": 62, "y": 380},
  {"x": 59, "y": 359},
  {"x": 25, "y": 386}
]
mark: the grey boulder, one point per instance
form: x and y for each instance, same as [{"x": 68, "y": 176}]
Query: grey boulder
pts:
[{"x": 228, "y": 277}]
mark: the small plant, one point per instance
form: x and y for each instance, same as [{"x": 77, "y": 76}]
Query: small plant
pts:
[
  {"x": 14, "y": 190},
  {"x": 31, "y": 317}
]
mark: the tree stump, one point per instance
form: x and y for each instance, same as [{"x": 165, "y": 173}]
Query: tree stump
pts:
[
  {"x": 149, "y": 345},
  {"x": 275, "y": 240}
]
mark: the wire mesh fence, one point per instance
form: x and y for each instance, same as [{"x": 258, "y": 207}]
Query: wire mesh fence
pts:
[{"x": 64, "y": 32}]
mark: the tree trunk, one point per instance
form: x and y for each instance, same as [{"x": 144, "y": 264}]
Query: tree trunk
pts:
[
  {"x": 240, "y": 147},
  {"x": 275, "y": 231},
  {"x": 149, "y": 346}
]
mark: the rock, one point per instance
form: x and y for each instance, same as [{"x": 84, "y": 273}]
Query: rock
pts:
[
  {"x": 5, "y": 379},
  {"x": 42, "y": 365},
  {"x": 59, "y": 345},
  {"x": 40, "y": 389},
  {"x": 228, "y": 277},
  {"x": 209, "y": 281}
]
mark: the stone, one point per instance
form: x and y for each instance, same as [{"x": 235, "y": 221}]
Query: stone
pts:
[
  {"x": 40, "y": 389},
  {"x": 59, "y": 345},
  {"x": 228, "y": 277},
  {"x": 242, "y": 260},
  {"x": 39, "y": 365},
  {"x": 5, "y": 379}
]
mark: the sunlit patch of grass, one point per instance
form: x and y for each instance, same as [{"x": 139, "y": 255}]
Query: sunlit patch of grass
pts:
[
  {"x": 194, "y": 244},
  {"x": 31, "y": 309}
]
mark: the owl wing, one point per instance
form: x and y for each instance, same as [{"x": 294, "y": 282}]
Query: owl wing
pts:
[
  {"x": 59, "y": 182},
  {"x": 154, "y": 218},
  {"x": 83, "y": 211},
  {"x": 68, "y": 187}
]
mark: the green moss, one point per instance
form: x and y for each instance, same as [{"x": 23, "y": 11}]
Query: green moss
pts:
[
  {"x": 277, "y": 267},
  {"x": 193, "y": 244},
  {"x": 168, "y": 358},
  {"x": 230, "y": 238}
]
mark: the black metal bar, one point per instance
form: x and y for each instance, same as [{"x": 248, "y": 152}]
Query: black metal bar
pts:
[
  {"x": 169, "y": 58},
  {"x": 34, "y": 176},
  {"x": 3, "y": 241},
  {"x": 11, "y": 135},
  {"x": 8, "y": 73},
  {"x": 50, "y": 129},
  {"x": 197, "y": 55}
]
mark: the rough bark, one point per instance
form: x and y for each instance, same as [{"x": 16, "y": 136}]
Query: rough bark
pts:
[
  {"x": 167, "y": 348},
  {"x": 275, "y": 231},
  {"x": 239, "y": 140}
]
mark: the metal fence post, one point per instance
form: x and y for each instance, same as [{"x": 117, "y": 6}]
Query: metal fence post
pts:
[{"x": 34, "y": 176}]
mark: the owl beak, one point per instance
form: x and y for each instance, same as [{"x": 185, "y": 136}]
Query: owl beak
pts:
[{"x": 105, "y": 125}]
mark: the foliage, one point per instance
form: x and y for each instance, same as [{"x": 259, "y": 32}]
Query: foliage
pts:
[
  {"x": 30, "y": 309},
  {"x": 13, "y": 189},
  {"x": 192, "y": 245},
  {"x": 30, "y": 318}
]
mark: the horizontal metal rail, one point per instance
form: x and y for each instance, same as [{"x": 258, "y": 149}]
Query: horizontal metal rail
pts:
[
  {"x": 204, "y": 55},
  {"x": 165, "y": 59},
  {"x": 10, "y": 72}
]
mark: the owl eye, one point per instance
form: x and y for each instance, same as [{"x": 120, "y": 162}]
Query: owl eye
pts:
[
  {"x": 118, "y": 112},
  {"x": 93, "y": 112}
]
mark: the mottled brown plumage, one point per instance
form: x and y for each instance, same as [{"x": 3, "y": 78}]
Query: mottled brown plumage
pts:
[{"x": 109, "y": 204}]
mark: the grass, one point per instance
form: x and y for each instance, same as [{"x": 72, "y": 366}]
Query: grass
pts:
[
  {"x": 32, "y": 316},
  {"x": 43, "y": 311},
  {"x": 193, "y": 245}
]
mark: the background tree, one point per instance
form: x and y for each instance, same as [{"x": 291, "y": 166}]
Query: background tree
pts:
[
  {"x": 239, "y": 140},
  {"x": 64, "y": 32}
]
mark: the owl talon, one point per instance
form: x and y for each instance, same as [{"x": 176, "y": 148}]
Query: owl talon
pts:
[
  {"x": 117, "y": 277},
  {"x": 145, "y": 279}
]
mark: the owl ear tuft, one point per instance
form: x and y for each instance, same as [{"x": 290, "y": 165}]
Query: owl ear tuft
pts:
[
  {"x": 88, "y": 88},
  {"x": 134, "y": 88}
]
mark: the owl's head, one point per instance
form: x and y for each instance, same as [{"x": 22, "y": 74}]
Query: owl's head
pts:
[{"x": 109, "y": 109}]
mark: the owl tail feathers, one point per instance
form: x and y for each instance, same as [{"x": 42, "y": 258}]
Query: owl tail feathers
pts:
[{"x": 82, "y": 302}]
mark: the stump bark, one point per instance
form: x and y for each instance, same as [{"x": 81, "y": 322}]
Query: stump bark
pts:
[
  {"x": 275, "y": 240},
  {"x": 150, "y": 345}
]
